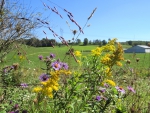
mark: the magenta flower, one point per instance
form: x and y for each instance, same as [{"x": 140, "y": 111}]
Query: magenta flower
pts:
[
  {"x": 16, "y": 106},
  {"x": 44, "y": 77},
  {"x": 106, "y": 85},
  {"x": 120, "y": 89},
  {"x": 131, "y": 89},
  {"x": 40, "y": 57},
  {"x": 56, "y": 65},
  {"x": 98, "y": 98},
  {"x": 64, "y": 65},
  {"x": 102, "y": 90},
  {"x": 52, "y": 55},
  {"x": 23, "y": 85}
]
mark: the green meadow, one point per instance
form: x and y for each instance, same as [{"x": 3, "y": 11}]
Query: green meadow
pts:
[{"x": 32, "y": 53}]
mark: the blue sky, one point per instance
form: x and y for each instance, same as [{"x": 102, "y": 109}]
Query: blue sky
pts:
[{"x": 121, "y": 19}]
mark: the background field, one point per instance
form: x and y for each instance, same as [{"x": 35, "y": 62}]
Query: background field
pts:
[{"x": 32, "y": 53}]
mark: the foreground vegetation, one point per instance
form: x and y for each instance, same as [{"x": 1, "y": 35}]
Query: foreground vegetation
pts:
[
  {"x": 67, "y": 79},
  {"x": 73, "y": 88}
]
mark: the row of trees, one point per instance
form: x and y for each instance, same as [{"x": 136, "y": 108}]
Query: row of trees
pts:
[
  {"x": 52, "y": 42},
  {"x": 94, "y": 42},
  {"x": 134, "y": 43},
  {"x": 39, "y": 43}
]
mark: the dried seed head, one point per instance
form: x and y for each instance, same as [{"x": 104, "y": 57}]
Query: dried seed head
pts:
[
  {"x": 137, "y": 59},
  {"x": 16, "y": 66},
  {"x": 74, "y": 32},
  {"x": 35, "y": 101},
  {"x": 128, "y": 61},
  {"x": 18, "y": 28}
]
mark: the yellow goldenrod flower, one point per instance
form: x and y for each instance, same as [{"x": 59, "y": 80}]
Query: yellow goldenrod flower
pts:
[
  {"x": 47, "y": 87},
  {"x": 97, "y": 51},
  {"x": 37, "y": 89},
  {"x": 78, "y": 61},
  {"x": 110, "y": 82},
  {"x": 118, "y": 63},
  {"x": 77, "y": 53},
  {"x": 21, "y": 57}
]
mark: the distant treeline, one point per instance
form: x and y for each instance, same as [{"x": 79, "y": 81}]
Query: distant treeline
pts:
[
  {"x": 134, "y": 43},
  {"x": 52, "y": 42}
]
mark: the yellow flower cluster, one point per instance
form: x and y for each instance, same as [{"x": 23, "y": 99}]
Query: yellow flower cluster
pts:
[
  {"x": 77, "y": 53},
  {"x": 111, "y": 54},
  {"x": 110, "y": 82},
  {"x": 97, "y": 51},
  {"x": 108, "y": 71},
  {"x": 110, "y": 46},
  {"x": 106, "y": 59},
  {"x": 21, "y": 57},
  {"x": 107, "y": 48},
  {"x": 47, "y": 87},
  {"x": 114, "y": 58}
]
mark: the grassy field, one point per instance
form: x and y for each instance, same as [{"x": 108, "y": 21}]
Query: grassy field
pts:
[{"x": 32, "y": 53}]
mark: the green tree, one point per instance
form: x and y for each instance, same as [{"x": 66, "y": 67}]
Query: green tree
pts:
[
  {"x": 104, "y": 42},
  {"x": 78, "y": 41},
  {"x": 130, "y": 42},
  {"x": 85, "y": 42},
  {"x": 16, "y": 23}
]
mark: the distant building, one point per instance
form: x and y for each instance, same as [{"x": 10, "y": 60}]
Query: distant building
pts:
[{"x": 138, "y": 49}]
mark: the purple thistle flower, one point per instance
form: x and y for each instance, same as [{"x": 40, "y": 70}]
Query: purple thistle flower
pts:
[
  {"x": 52, "y": 55},
  {"x": 5, "y": 70},
  {"x": 58, "y": 60},
  {"x": 12, "y": 67},
  {"x": 56, "y": 65},
  {"x": 44, "y": 77},
  {"x": 16, "y": 106},
  {"x": 17, "y": 111},
  {"x": 106, "y": 85},
  {"x": 131, "y": 89},
  {"x": 23, "y": 85},
  {"x": 64, "y": 65},
  {"x": 102, "y": 90},
  {"x": 40, "y": 57},
  {"x": 120, "y": 89},
  {"x": 98, "y": 98}
]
